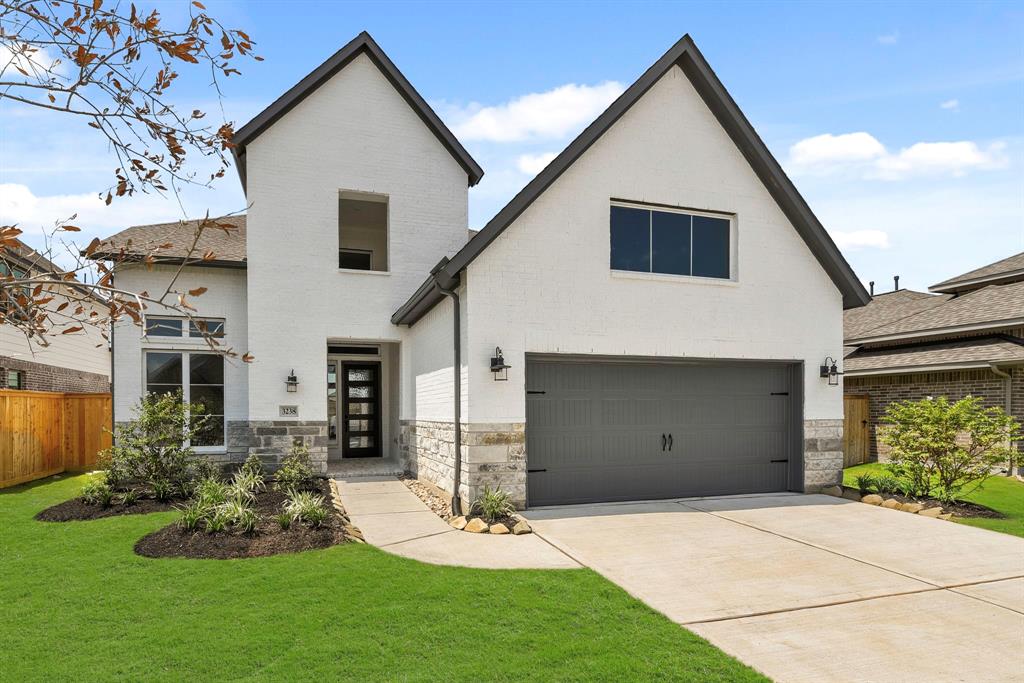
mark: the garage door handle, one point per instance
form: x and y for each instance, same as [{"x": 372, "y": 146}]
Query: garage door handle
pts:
[
  {"x": 664, "y": 441},
  {"x": 532, "y": 471}
]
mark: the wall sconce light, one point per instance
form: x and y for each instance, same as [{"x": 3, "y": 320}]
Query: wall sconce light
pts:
[
  {"x": 498, "y": 366},
  {"x": 292, "y": 383},
  {"x": 830, "y": 370}
]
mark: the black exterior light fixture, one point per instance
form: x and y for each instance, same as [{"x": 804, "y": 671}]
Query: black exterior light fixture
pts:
[
  {"x": 830, "y": 370},
  {"x": 292, "y": 383},
  {"x": 498, "y": 366}
]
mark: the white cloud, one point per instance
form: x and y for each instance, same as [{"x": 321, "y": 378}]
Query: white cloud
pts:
[
  {"x": 939, "y": 158},
  {"x": 861, "y": 239},
  {"x": 863, "y": 155},
  {"x": 536, "y": 116},
  {"x": 952, "y": 105},
  {"x": 832, "y": 149},
  {"x": 889, "y": 38},
  {"x": 35, "y": 61},
  {"x": 532, "y": 164}
]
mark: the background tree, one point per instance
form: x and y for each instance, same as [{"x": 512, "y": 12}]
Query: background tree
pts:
[{"x": 113, "y": 67}]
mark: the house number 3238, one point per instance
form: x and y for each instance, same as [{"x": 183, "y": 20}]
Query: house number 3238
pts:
[{"x": 289, "y": 411}]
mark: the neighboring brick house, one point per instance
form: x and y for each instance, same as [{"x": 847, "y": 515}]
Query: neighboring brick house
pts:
[
  {"x": 78, "y": 362},
  {"x": 964, "y": 338},
  {"x": 645, "y": 319}
]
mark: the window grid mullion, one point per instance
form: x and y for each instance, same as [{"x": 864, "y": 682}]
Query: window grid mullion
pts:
[
  {"x": 650, "y": 241},
  {"x": 691, "y": 245}
]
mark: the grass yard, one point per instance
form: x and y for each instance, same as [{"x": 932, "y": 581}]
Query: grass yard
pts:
[
  {"x": 1004, "y": 494},
  {"x": 78, "y": 604}
]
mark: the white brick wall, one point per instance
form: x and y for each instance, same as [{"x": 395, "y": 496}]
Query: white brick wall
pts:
[
  {"x": 354, "y": 133},
  {"x": 225, "y": 298},
  {"x": 427, "y": 384},
  {"x": 545, "y": 284}
]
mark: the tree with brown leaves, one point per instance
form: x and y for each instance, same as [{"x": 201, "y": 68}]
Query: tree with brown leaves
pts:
[{"x": 113, "y": 66}]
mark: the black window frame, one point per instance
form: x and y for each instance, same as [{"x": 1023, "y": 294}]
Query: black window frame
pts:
[
  {"x": 185, "y": 385},
  {"x": 707, "y": 269}
]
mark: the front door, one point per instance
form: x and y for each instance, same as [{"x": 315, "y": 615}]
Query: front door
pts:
[{"x": 360, "y": 409}]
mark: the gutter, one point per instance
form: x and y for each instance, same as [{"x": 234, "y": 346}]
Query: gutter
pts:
[
  {"x": 445, "y": 284},
  {"x": 1007, "y": 402}
]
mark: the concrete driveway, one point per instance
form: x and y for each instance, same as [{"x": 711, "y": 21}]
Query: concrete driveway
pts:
[{"x": 814, "y": 588}]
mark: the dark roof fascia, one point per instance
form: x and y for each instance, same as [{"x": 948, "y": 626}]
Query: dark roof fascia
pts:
[
  {"x": 685, "y": 54},
  {"x": 358, "y": 45},
  {"x": 166, "y": 260}
]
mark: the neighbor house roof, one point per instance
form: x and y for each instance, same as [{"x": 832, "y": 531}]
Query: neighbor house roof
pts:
[
  {"x": 361, "y": 44},
  {"x": 991, "y": 307},
  {"x": 685, "y": 55},
  {"x": 171, "y": 242},
  {"x": 926, "y": 357},
  {"x": 1009, "y": 269},
  {"x": 885, "y": 309}
]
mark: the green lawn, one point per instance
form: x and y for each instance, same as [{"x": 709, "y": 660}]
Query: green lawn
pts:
[
  {"x": 78, "y": 604},
  {"x": 1004, "y": 494}
]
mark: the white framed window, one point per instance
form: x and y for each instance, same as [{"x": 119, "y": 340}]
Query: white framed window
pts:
[
  {"x": 363, "y": 231},
  {"x": 183, "y": 328},
  {"x": 667, "y": 241},
  {"x": 200, "y": 378}
]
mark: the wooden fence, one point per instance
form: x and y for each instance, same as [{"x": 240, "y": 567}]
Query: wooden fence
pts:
[{"x": 44, "y": 433}]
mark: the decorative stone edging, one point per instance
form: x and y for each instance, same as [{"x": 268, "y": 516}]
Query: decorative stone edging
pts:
[
  {"x": 890, "y": 503},
  {"x": 351, "y": 531},
  {"x": 439, "y": 502}
]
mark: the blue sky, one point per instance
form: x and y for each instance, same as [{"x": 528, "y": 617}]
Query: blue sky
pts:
[{"x": 901, "y": 123}]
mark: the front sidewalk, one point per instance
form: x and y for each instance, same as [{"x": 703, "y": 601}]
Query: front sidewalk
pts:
[{"x": 393, "y": 518}]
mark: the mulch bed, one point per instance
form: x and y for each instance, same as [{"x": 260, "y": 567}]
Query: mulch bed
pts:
[
  {"x": 75, "y": 510},
  {"x": 440, "y": 503},
  {"x": 268, "y": 539}
]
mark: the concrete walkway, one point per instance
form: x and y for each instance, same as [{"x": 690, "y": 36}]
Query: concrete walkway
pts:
[
  {"x": 393, "y": 518},
  {"x": 813, "y": 588}
]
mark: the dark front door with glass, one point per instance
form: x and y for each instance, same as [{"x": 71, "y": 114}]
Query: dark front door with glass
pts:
[{"x": 360, "y": 412}]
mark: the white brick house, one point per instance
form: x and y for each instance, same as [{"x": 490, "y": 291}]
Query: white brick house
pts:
[{"x": 662, "y": 296}]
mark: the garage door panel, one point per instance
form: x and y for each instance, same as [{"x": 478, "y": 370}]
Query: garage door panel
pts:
[{"x": 595, "y": 433}]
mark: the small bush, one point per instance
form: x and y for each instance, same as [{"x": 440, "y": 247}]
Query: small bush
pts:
[
  {"x": 867, "y": 482},
  {"x": 295, "y": 473},
  {"x": 254, "y": 466},
  {"x": 307, "y": 507},
  {"x": 247, "y": 482},
  {"x": 97, "y": 492},
  {"x": 238, "y": 515},
  {"x": 283, "y": 519},
  {"x": 163, "y": 490},
  {"x": 886, "y": 483},
  {"x": 493, "y": 505},
  {"x": 193, "y": 514},
  {"x": 218, "y": 519},
  {"x": 211, "y": 492},
  {"x": 129, "y": 497}
]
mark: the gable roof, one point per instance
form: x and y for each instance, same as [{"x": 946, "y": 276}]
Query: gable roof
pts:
[
  {"x": 139, "y": 241},
  {"x": 992, "y": 307},
  {"x": 885, "y": 309},
  {"x": 361, "y": 44},
  {"x": 1010, "y": 269},
  {"x": 685, "y": 55}
]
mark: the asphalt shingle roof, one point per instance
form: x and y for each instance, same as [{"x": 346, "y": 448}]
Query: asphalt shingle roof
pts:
[
  {"x": 228, "y": 246},
  {"x": 984, "y": 350},
  {"x": 1008, "y": 265},
  {"x": 886, "y": 309}
]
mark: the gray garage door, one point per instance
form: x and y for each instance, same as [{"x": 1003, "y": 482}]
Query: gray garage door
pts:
[{"x": 607, "y": 431}]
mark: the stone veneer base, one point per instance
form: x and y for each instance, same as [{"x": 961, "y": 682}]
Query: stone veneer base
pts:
[{"x": 823, "y": 454}]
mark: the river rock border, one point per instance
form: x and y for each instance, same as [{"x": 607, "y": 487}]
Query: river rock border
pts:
[
  {"x": 440, "y": 503},
  {"x": 934, "y": 511}
]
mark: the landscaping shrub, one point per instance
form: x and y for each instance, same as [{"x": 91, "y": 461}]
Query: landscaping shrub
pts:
[
  {"x": 97, "y": 492},
  {"x": 295, "y": 473},
  {"x": 306, "y": 506},
  {"x": 193, "y": 513},
  {"x": 942, "y": 448},
  {"x": 866, "y": 483},
  {"x": 493, "y": 505},
  {"x": 151, "y": 449},
  {"x": 254, "y": 466},
  {"x": 886, "y": 483}
]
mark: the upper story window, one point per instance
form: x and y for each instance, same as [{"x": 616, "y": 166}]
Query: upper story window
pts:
[
  {"x": 182, "y": 328},
  {"x": 362, "y": 231},
  {"x": 670, "y": 242}
]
